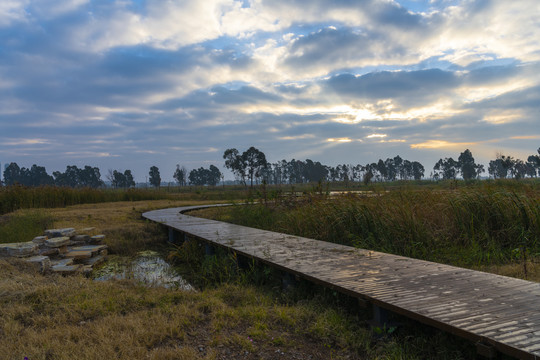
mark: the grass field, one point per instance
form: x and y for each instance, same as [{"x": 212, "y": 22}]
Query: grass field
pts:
[{"x": 242, "y": 315}]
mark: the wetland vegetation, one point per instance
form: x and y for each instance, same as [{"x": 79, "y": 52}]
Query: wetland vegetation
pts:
[{"x": 243, "y": 312}]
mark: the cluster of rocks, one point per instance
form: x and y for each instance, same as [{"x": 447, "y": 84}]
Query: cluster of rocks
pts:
[{"x": 63, "y": 251}]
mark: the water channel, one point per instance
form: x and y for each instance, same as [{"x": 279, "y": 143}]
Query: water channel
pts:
[{"x": 147, "y": 267}]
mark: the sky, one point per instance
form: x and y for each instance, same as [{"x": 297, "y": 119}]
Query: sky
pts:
[{"x": 129, "y": 84}]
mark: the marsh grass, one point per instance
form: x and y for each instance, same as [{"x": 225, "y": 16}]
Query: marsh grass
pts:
[
  {"x": 17, "y": 197},
  {"x": 23, "y": 225},
  {"x": 479, "y": 225},
  {"x": 20, "y": 197}
]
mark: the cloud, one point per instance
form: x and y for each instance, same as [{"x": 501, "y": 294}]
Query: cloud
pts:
[
  {"x": 12, "y": 11},
  {"x": 410, "y": 87},
  {"x": 339, "y": 48},
  {"x": 436, "y": 144}
]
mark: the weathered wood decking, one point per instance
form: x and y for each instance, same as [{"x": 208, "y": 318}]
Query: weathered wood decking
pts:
[{"x": 496, "y": 310}]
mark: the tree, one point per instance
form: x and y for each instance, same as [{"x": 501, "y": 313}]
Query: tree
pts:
[
  {"x": 314, "y": 171},
  {"x": 12, "y": 174},
  {"x": 75, "y": 177},
  {"x": 214, "y": 175},
  {"x": 447, "y": 168},
  {"x": 129, "y": 182},
  {"x": 248, "y": 165},
  {"x": 38, "y": 176},
  {"x": 534, "y": 161},
  {"x": 398, "y": 163},
  {"x": 197, "y": 176},
  {"x": 91, "y": 177},
  {"x": 500, "y": 167},
  {"x": 180, "y": 175},
  {"x": 155, "y": 178},
  {"x": 417, "y": 170},
  {"x": 204, "y": 176},
  {"x": 255, "y": 161},
  {"x": 118, "y": 180},
  {"x": 235, "y": 162},
  {"x": 468, "y": 168}
]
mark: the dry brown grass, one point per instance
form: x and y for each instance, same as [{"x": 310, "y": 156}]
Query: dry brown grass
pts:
[
  {"x": 126, "y": 232},
  {"x": 56, "y": 317}
]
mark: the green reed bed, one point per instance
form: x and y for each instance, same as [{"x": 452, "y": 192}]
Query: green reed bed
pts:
[
  {"x": 20, "y": 197},
  {"x": 482, "y": 224},
  {"x": 23, "y": 225}
]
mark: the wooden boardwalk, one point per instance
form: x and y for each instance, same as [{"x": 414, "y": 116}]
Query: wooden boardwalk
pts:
[{"x": 493, "y": 310}]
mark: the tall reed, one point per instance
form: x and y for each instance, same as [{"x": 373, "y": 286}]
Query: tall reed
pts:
[
  {"x": 480, "y": 224},
  {"x": 20, "y": 197}
]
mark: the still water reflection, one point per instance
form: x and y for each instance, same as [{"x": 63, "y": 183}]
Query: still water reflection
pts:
[{"x": 148, "y": 267}]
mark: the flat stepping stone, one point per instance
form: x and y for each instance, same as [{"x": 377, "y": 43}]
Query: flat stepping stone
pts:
[
  {"x": 83, "y": 238},
  {"x": 39, "y": 240},
  {"x": 62, "y": 262},
  {"x": 85, "y": 252},
  {"x": 95, "y": 248},
  {"x": 80, "y": 254},
  {"x": 86, "y": 269},
  {"x": 57, "y": 242},
  {"x": 96, "y": 239},
  {"x": 66, "y": 269},
  {"x": 42, "y": 261},
  {"x": 48, "y": 251},
  {"x": 52, "y": 233},
  {"x": 22, "y": 249},
  {"x": 95, "y": 260}
]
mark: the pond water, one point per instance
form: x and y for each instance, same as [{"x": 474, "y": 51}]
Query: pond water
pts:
[{"x": 148, "y": 268}]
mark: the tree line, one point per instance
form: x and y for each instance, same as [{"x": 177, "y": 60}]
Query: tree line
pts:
[
  {"x": 89, "y": 176},
  {"x": 252, "y": 167}
]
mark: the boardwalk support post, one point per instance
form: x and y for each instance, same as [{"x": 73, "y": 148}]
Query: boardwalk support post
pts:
[
  {"x": 173, "y": 236},
  {"x": 209, "y": 249},
  {"x": 486, "y": 350},
  {"x": 380, "y": 316},
  {"x": 288, "y": 281},
  {"x": 242, "y": 262}
]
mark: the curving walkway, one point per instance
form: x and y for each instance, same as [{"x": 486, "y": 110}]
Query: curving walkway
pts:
[{"x": 496, "y": 312}]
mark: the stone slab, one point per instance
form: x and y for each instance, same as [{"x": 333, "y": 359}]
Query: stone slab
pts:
[
  {"x": 76, "y": 243},
  {"x": 81, "y": 238},
  {"x": 86, "y": 269},
  {"x": 53, "y": 233},
  {"x": 57, "y": 242},
  {"x": 94, "y": 260},
  {"x": 44, "y": 262},
  {"x": 48, "y": 251},
  {"x": 79, "y": 254},
  {"x": 94, "y": 248},
  {"x": 62, "y": 262},
  {"x": 63, "y": 249},
  {"x": 23, "y": 249},
  {"x": 66, "y": 269},
  {"x": 96, "y": 239},
  {"x": 85, "y": 252},
  {"x": 39, "y": 240}
]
